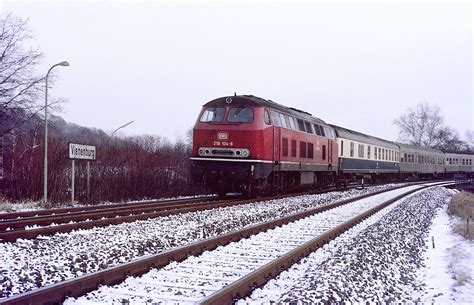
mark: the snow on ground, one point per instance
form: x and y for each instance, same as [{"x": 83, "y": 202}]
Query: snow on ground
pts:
[
  {"x": 385, "y": 259},
  {"x": 28, "y": 264},
  {"x": 449, "y": 265}
]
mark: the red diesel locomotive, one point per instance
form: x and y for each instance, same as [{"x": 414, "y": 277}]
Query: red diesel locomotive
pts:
[{"x": 252, "y": 145}]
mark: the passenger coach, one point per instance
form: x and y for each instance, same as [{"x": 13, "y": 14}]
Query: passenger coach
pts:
[
  {"x": 420, "y": 162},
  {"x": 361, "y": 155}
]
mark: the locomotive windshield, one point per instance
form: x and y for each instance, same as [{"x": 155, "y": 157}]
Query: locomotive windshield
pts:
[
  {"x": 213, "y": 114},
  {"x": 240, "y": 115}
]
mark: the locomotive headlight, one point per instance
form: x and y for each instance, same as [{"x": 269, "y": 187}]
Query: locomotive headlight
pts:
[
  {"x": 245, "y": 153},
  {"x": 201, "y": 152}
]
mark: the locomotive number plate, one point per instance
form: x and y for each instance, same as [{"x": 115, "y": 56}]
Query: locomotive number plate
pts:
[{"x": 223, "y": 136}]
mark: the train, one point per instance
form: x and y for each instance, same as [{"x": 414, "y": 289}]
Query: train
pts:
[{"x": 247, "y": 144}]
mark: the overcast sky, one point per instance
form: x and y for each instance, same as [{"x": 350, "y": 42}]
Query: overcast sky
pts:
[{"x": 351, "y": 63}]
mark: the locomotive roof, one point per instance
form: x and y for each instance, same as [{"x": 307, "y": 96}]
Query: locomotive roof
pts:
[
  {"x": 361, "y": 137},
  {"x": 257, "y": 101}
]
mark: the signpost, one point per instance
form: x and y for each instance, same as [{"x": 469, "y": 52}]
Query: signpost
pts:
[
  {"x": 81, "y": 152},
  {"x": 1, "y": 157}
]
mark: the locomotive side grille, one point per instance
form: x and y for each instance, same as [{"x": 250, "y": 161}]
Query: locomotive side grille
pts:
[{"x": 222, "y": 152}]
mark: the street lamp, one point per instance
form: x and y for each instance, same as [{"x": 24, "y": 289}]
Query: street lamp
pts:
[
  {"x": 124, "y": 125},
  {"x": 63, "y": 63}
]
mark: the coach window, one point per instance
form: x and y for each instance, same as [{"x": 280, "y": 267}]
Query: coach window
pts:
[
  {"x": 309, "y": 128},
  {"x": 310, "y": 150},
  {"x": 267, "y": 117},
  {"x": 342, "y": 148},
  {"x": 368, "y": 151},
  {"x": 240, "y": 115},
  {"x": 375, "y": 153},
  {"x": 303, "y": 149},
  {"x": 352, "y": 150},
  {"x": 285, "y": 147},
  {"x": 213, "y": 114},
  {"x": 360, "y": 154},
  {"x": 293, "y": 148},
  {"x": 324, "y": 152}
]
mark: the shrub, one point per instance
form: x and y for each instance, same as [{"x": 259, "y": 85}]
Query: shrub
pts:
[{"x": 462, "y": 206}]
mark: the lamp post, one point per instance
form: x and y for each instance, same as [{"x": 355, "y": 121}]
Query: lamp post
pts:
[
  {"x": 63, "y": 63},
  {"x": 124, "y": 125}
]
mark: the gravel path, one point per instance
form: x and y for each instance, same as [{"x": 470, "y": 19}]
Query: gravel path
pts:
[
  {"x": 376, "y": 261},
  {"x": 28, "y": 264}
]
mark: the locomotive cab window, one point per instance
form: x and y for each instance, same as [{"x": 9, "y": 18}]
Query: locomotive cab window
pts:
[
  {"x": 240, "y": 115},
  {"x": 276, "y": 118},
  {"x": 212, "y": 114},
  {"x": 301, "y": 125},
  {"x": 283, "y": 121},
  {"x": 267, "y": 117},
  {"x": 316, "y": 129},
  {"x": 291, "y": 121}
]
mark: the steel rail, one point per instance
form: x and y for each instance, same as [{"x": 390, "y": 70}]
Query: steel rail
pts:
[
  {"x": 97, "y": 214},
  {"x": 57, "y": 211},
  {"x": 79, "y": 286}
]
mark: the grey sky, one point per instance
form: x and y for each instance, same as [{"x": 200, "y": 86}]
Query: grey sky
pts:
[{"x": 355, "y": 64}]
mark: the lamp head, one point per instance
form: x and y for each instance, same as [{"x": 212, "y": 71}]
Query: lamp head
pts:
[{"x": 64, "y": 63}]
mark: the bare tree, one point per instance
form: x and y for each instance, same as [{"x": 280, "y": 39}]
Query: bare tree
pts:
[
  {"x": 424, "y": 126},
  {"x": 19, "y": 86},
  {"x": 470, "y": 139}
]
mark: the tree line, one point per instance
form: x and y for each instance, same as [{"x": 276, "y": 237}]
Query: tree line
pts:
[{"x": 129, "y": 168}]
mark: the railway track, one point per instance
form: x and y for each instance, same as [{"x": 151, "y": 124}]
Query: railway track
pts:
[
  {"x": 241, "y": 278},
  {"x": 31, "y": 224},
  {"x": 66, "y": 220}
]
